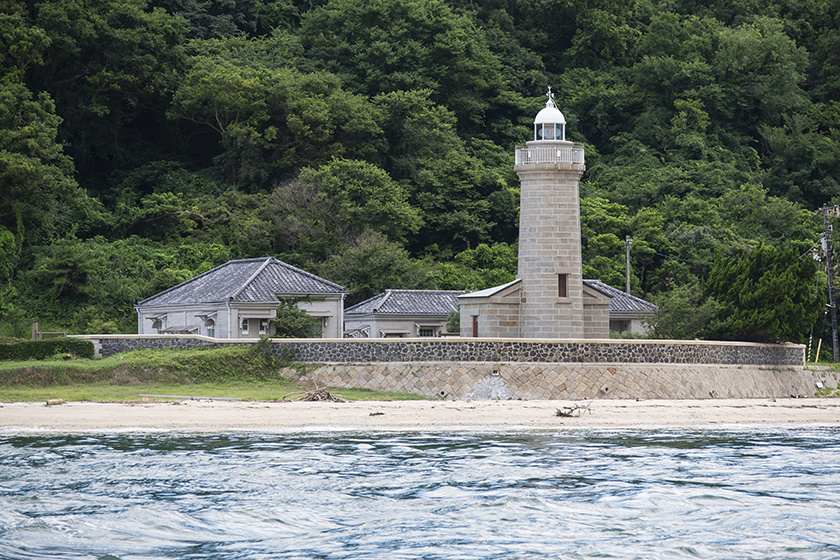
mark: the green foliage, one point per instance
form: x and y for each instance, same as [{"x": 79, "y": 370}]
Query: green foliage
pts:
[
  {"x": 453, "y": 321},
  {"x": 294, "y": 322},
  {"x": 236, "y": 364},
  {"x": 372, "y": 265},
  {"x": 23, "y": 45},
  {"x": 204, "y": 365},
  {"x": 92, "y": 285},
  {"x": 391, "y": 45},
  {"x": 461, "y": 189},
  {"x": 144, "y": 141},
  {"x": 766, "y": 295},
  {"x": 755, "y": 215},
  {"x": 227, "y": 372},
  {"x": 476, "y": 269},
  {"x": 270, "y": 120},
  {"x": 8, "y": 254},
  {"x": 227, "y": 18},
  {"x": 43, "y": 349},
  {"x": 803, "y": 158},
  {"x": 326, "y": 209},
  {"x": 37, "y": 191},
  {"x": 683, "y": 313},
  {"x": 110, "y": 65}
]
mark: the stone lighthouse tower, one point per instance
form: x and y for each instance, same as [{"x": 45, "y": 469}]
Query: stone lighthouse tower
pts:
[
  {"x": 549, "y": 168},
  {"x": 549, "y": 298}
]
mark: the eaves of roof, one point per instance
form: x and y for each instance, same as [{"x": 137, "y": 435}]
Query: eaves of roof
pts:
[
  {"x": 244, "y": 281},
  {"x": 407, "y": 302}
]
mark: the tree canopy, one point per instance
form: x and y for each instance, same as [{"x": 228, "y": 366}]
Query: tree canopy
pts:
[
  {"x": 765, "y": 296},
  {"x": 143, "y": 141}
]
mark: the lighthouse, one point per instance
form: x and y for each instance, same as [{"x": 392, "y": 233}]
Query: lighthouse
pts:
[
  {"x": 549, "y": 298},
  {"x": 549, "y": 169}
]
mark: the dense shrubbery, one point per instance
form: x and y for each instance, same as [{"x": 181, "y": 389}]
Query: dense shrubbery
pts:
[{"x": 43, "y": 349}]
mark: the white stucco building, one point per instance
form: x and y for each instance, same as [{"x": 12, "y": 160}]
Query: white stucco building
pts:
[
  {"x": 401, "y": 314},
  {"x": 239, "y": 299}
]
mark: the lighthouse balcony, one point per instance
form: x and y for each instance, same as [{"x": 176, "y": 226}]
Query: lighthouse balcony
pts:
[{"x": 549, "y": 154}]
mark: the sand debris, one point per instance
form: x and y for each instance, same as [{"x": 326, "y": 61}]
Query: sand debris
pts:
[
  {"x": 318, "y": 395},
  {"x": 573, "y": 411}
]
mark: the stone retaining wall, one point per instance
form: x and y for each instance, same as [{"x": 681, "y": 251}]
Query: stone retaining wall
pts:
[
  {"x": 489, "y": 380},
  {"x": 532, "y": 369},
  {"x": 486, "y": 350}
]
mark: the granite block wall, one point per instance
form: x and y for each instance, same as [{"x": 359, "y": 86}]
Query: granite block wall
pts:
[
  {"x": 602, "y": 351},
  {"x": 491, "y": 380},
  {"x": 485, "y": 350},
  {"x": 532, "y": 369}
]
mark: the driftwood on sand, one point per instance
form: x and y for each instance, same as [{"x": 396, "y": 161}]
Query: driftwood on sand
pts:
[
  {"x": 314, "y": 396},
  {"x": 573, "y": 411}
]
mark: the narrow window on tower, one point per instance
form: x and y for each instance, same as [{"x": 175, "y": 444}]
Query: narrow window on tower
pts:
[{"x": 562, "y": 285}]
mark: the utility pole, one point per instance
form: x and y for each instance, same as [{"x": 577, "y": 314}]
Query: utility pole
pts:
[
  {"x": 831, "y": 302},
  {"x": 627, "y": 241}
]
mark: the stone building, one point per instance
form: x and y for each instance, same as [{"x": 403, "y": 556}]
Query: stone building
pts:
[{"x": 548, "y": 299}]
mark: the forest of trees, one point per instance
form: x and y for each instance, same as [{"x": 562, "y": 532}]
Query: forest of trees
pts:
[{"x": 371, "y": 142}]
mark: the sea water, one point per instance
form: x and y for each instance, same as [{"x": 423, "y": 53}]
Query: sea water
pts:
[{"x": 749, "y": 492}]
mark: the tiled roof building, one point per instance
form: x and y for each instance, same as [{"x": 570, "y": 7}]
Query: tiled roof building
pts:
[
  {"x": 240, "y": 299},
  {"x": 401, "y": 313},
  {"x": 627, "y": 312}
]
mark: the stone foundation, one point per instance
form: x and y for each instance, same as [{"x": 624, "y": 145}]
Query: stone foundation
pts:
[
  {"x": 481, "y": 350},
  {"x": 491, "y": 380},
  {"x": 469, "y": 368}
]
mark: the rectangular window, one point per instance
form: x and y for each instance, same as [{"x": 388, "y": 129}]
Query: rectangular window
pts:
[
  {"x": 263, "y": 326},
  {"x": 562, "y": 285},
  {"x": 475, "y": 326},
  {"x": 548, "y": 132},
  {"x": 244, "y": 326},
  {"x": 426, "y": 331}
]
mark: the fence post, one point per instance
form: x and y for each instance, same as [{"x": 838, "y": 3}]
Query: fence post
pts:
[{"x": 34, "y": 330}]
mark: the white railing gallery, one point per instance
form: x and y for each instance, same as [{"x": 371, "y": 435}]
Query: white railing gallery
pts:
[{"x": 549, "y": 154}]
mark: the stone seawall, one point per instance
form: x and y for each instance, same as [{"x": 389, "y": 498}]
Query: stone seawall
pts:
[
  {"x": 532, "y": 369},
  {"x": 485, "y": 350},
  {"x": 492, "y": 380}
]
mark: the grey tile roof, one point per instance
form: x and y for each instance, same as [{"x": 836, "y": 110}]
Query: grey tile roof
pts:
[
  {"x": 246, "y": 280},
  {"x": 621, "y": 302},
  {"x": 408, "y": 302}
]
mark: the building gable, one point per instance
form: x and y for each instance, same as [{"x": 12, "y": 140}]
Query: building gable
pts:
[{"x": 244, "y": 281}]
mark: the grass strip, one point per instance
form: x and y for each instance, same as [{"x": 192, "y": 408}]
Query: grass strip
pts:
[{"x": 242, "y": 372}]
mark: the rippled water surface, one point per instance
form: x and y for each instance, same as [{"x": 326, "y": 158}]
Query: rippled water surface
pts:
[{"x": 729, "y": 493}]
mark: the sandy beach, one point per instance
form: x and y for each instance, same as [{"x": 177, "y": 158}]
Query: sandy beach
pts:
[{"x": 207, "y": 415}]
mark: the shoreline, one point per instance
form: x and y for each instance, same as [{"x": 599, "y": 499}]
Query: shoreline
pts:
[{"x": 222, "y": 416}]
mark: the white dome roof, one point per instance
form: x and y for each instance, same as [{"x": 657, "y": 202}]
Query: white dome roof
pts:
[{"x": 551, "y": 114}]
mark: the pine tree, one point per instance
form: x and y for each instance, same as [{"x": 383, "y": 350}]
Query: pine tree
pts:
[{"x": 766, "y": 296}]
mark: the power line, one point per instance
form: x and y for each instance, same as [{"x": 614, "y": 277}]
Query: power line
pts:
[{"x": 669, "y": 256}]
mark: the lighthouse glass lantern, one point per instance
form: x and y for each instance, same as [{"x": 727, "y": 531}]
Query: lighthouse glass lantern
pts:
[{"x": 550, "y": 123}]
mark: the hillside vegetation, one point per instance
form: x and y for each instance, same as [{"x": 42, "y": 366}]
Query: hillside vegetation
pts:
[{"x": 371, "y": 142}]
